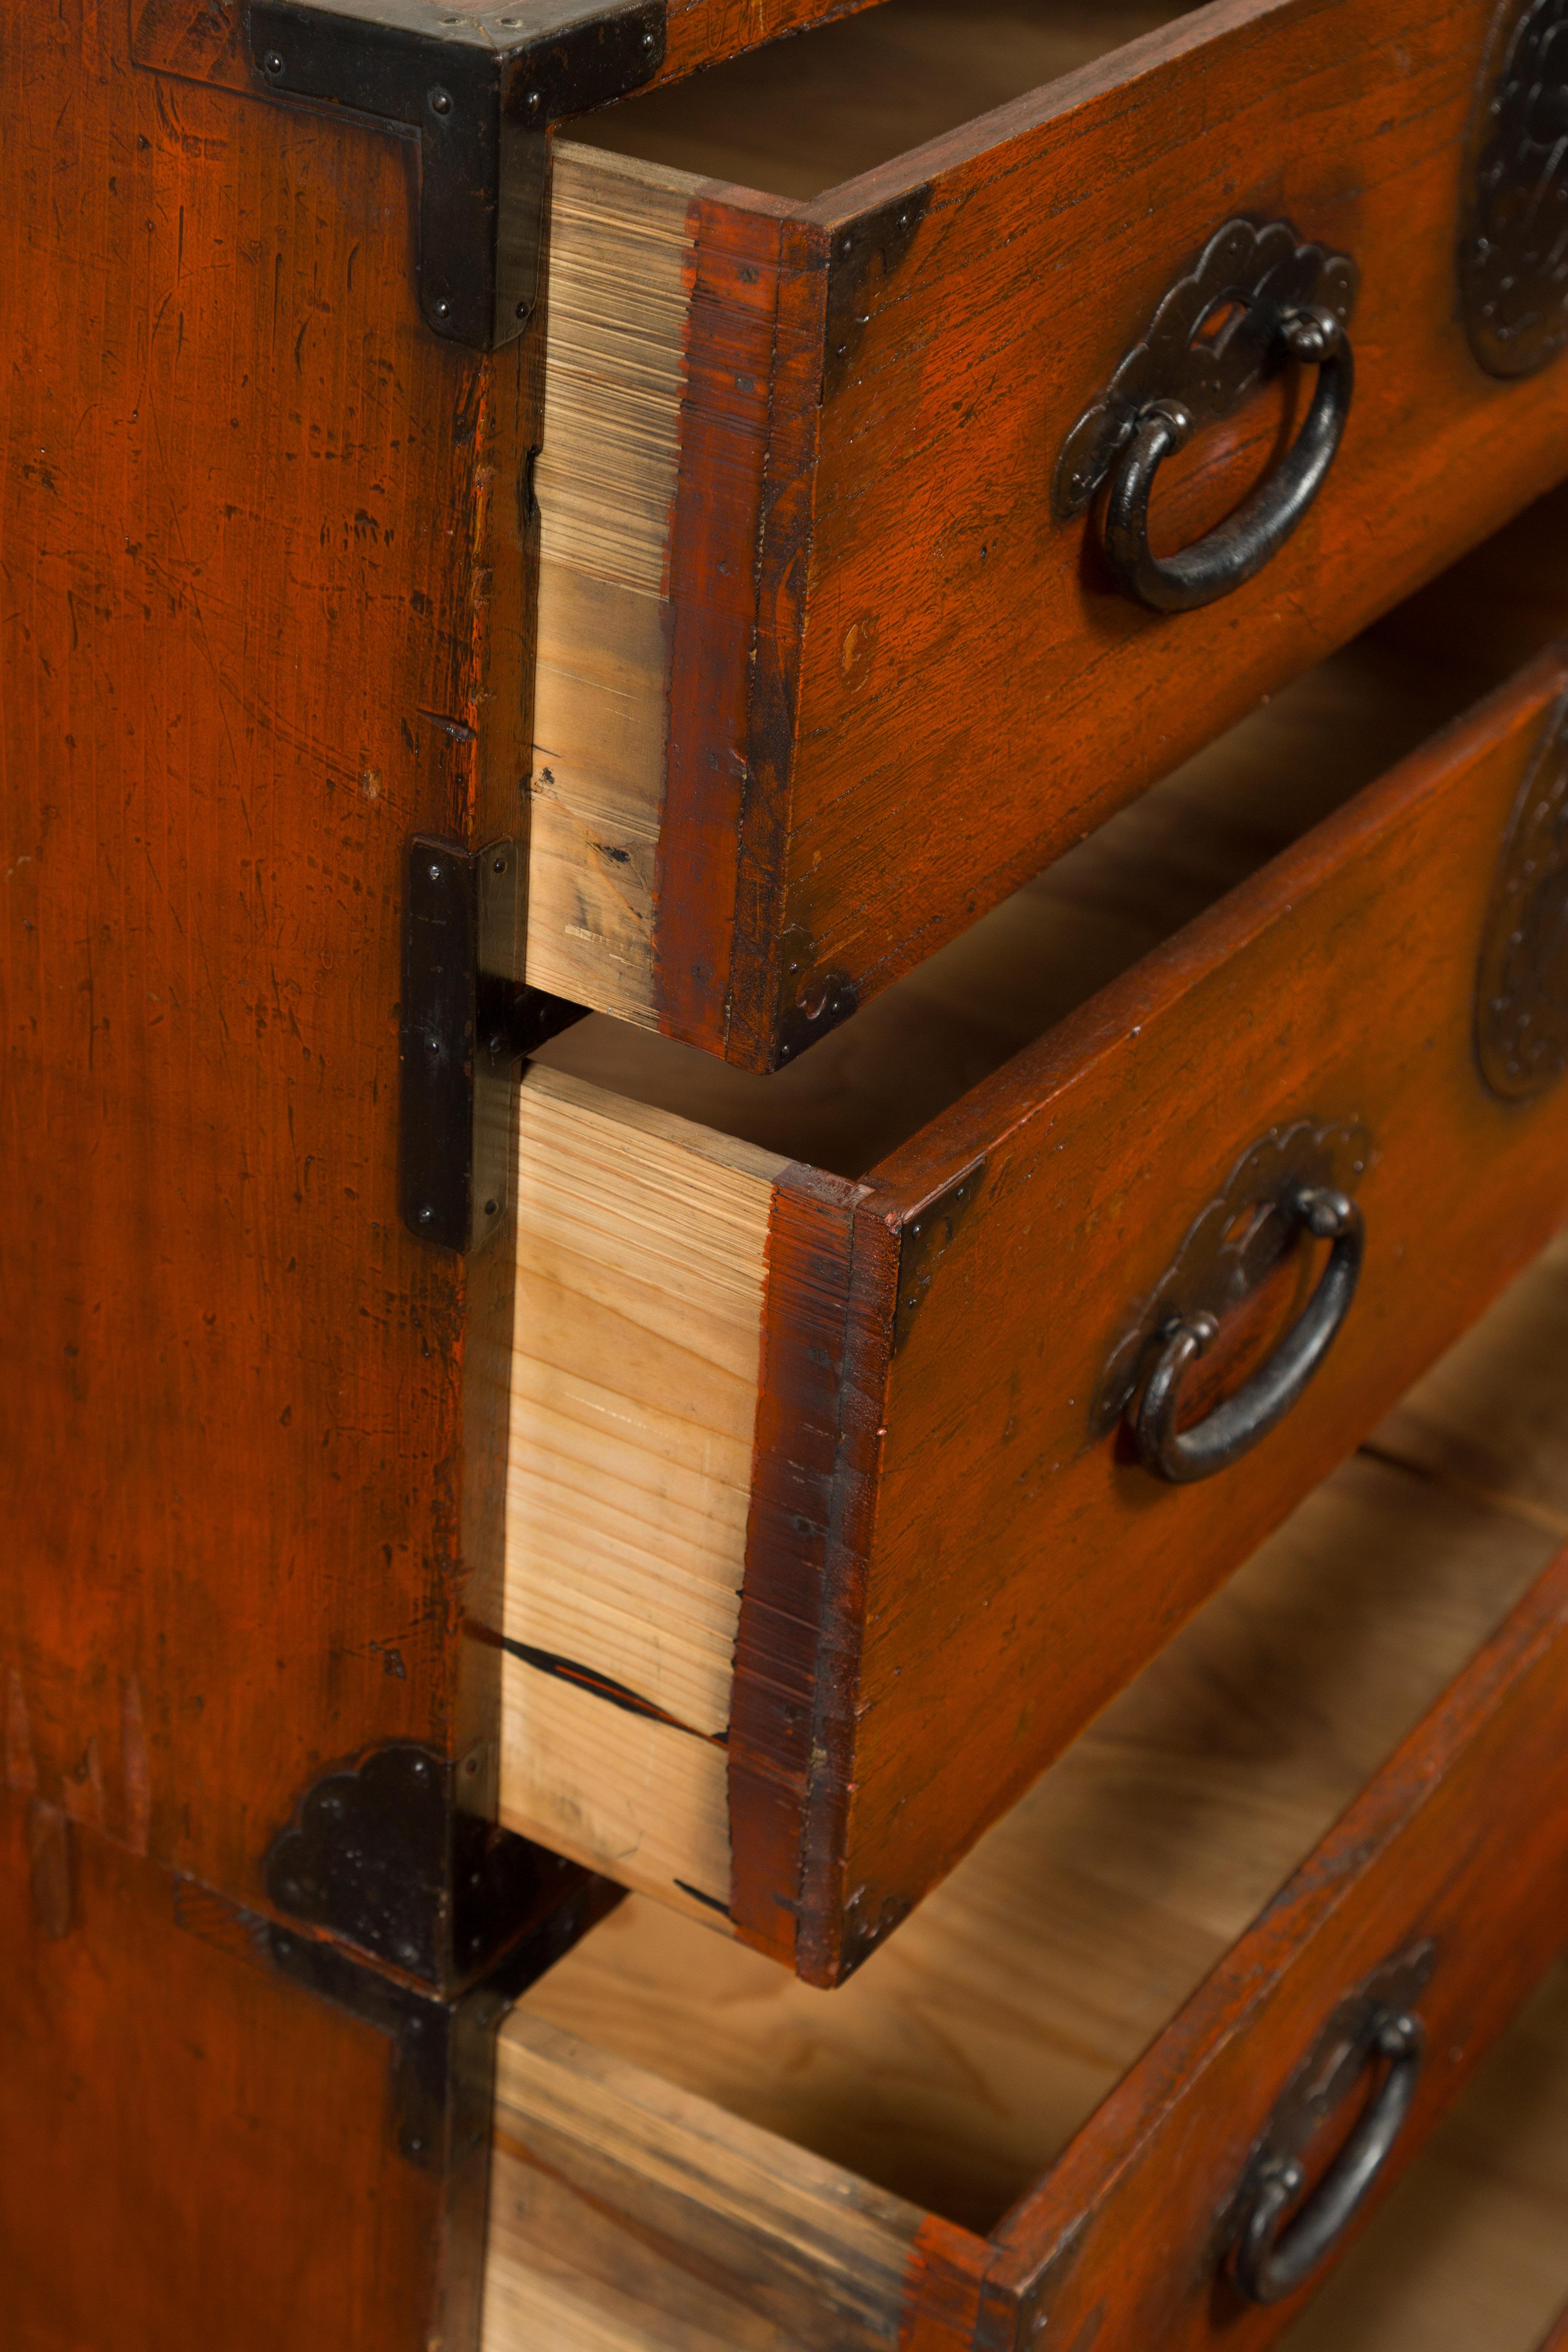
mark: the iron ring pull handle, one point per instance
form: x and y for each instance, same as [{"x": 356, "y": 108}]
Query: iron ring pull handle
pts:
[
  {"x": 1240, "y": 547},
  {"x": 1234, "y": 1426},
  {"x": 1270, "y": 2262}
]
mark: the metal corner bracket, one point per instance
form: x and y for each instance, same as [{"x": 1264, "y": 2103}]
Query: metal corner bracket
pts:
[
  {"x": 480, "y": 93},
  {"x": 465, "y": 1024}
]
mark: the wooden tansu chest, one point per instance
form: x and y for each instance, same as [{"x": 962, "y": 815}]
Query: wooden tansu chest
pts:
[{"x": 785, "y": 794}]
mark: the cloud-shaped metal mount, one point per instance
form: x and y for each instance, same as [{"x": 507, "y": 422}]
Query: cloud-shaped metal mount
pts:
[
  {"x": 1233, "y": 1244},
  {"x": 1211, "y": 343}
]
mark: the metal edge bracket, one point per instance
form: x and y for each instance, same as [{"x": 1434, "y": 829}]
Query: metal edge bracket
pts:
[
  {"x": 465, "y": 1024},
  {"x": 480, "y": 100},
  {"x": 442, "y": 2037}
]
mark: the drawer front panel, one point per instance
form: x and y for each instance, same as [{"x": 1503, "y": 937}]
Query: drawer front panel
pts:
[
  {"x": 1461, "y": 1844},
  {"x": 941, "y": 687},
  {"x": 988, "y": 1560}
]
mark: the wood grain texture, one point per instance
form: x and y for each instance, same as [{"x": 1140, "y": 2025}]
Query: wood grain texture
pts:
[
  {"x": 949, "y": 691},
  {"x": 641, "y": 1265},
  {"x": 204, "y": 40},
  {"x": 905, "y": 1059},
  {"x": 1470, "y": 1819},
  {"x": 606, "y": 479},
  {"x": 1335, "y": 983},
  {"x": 814, "y": 1478},
  {"x": 268, "y": 610},
  {"x": 808, "y": 115},
  {"x": 1470, "y": 2253},
  {"x": 198, "y": 2152},
  {"x": 1092, "y": 1151},
  {"x": 982, "y": 2048},
  {"x": 786, "y": 2250},
  {"x": 964, "y": 2059},
  {"x": 248, "y": 508}
]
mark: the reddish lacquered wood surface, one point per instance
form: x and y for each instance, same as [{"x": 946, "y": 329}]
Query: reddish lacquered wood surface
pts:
[
  {"x": 984, "y": 1565},
  {"x": 1463, "y": 1838},
  {"x": 941, "y": 688},
  {"x": 263, "y": 617},
  {"x": 267, "y": 613},
  {"x": 198, "y": 2152},
  {"x": 190, "y": 36}
]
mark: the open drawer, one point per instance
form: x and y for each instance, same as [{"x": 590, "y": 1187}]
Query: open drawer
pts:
[
  {"x": 1057, "y": 2105},
  {"x": 833, "y": 648},
  {"x": 850, "y": 1471}
]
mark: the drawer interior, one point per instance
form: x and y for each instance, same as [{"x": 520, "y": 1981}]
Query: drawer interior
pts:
[
  {"x": 802, "y": 114},
  {"x": 967, "y": 2055}
]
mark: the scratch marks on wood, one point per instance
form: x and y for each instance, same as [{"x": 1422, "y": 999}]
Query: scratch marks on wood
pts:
[
  {"x": 21, "y": 1764},
  {"x": 134, "y": 1764},
  {"x": 52, "y": 1875}
]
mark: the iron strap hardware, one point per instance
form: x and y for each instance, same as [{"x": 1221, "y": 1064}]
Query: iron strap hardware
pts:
[
  {"x": 465, "y": 1024},
  {"x": 1256, "y": 298},
  {"x": 480, "y": 94}
]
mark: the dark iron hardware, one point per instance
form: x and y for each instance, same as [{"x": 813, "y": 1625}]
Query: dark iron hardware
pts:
[
  {"x": 1256, "y": 299},
  {"x": 478, "y": 93},
  {"x": 924, "y": 1240},
  {"x": 1513, "y": 246},
  {"x": 382, "y": 1854},
  {"x": 465, "y": 1024},
  {"x": 1521, "y": 980},
  {"x": 1232, "y": 1245},
  {"x": 1271, "y": 2254},
  {"x": 442, "y": 2039},
  {"x": 1234, "y": 1426}
]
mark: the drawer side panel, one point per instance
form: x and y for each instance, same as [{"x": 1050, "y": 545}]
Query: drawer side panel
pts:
[{"x": 641, "y": 1249}]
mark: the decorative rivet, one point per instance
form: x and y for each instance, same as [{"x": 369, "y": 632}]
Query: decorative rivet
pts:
[
  {"x": 272, "y": 64},
  {"x": 426, "y": 1216},
  {"x": 523, "y": 308},
  {"x": 489, "y": 1208},
  {"x": 436, "y": 870},
  {"x": 440, "y": 100},
  {"x": 441, "y": 310}
]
